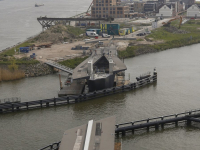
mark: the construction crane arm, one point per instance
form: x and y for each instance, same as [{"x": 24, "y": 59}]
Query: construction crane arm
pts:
[{"x": 89, "y": 9}]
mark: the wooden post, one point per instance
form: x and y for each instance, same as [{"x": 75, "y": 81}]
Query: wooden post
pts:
[
  {"x": 41, "y": 103},
  {"x": 12, "y": 107},
  {"x": 54, "y": 101},
  {"x": 27, "y": 105},
  {"x": 60, "y": 81}
]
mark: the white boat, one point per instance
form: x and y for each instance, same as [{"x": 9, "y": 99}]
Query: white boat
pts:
[{"x": 38, "y": 5}]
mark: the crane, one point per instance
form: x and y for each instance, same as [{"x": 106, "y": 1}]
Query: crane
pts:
[
  {"x": 88, "y": 9},
  {"x": 167, "y": 24}
]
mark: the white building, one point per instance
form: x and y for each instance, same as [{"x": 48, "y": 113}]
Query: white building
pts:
[
  {"x": 165, "y": 11},
  {"x": 193, "y": 11}
]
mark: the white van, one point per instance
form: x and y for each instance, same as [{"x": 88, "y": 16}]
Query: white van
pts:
[{"x": 91, "y": 33}]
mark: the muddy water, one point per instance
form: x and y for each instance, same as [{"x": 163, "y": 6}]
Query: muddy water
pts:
[{"x": 177, "y": 90}]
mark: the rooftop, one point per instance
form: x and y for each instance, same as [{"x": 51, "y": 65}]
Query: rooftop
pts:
[
  {"x": 110, "y": 53},
  {"x": 98, "y": 135}
]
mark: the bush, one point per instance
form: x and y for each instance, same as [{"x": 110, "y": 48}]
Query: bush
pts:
[{"x": 73, "y": 63}]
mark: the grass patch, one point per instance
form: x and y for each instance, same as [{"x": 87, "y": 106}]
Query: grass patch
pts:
[
  {"x": 75, "y": 30},
  {"x": 11, "y": 52},
  {"x": 73, "y": 63},
  {"x": 140, "y": 39},
  {"x": 171, "y": 40}
]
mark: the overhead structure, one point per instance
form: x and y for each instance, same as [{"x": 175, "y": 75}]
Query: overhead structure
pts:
[
  {"x": 89, "y": 9},
  {"x": 48, "y": 22}
]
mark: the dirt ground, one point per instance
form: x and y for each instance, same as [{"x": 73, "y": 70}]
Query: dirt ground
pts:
[{"x": 57, "y": 52}]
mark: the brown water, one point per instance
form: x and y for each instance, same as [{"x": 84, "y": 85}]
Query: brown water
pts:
[{"x": 177, "y": 90}]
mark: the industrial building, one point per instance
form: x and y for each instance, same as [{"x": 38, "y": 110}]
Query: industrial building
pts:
[
  {"x": 108, "y": 8},
  {"x": 96, "y": 135}
]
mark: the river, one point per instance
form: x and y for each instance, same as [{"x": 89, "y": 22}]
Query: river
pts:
[
  {"x": 177, "y": 90},
  {"x": 19, "y": 18}
]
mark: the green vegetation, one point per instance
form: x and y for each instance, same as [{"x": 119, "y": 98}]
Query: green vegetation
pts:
[
  {"x": 11, "y": 52},
  {"x": 73, "y": 63},
  {"x": 140, "y": 39},
  {"x": 170, "y": 40},
  {"x": 129, "y": 52},
  {"x": 19, "y": 62},
  {"x": 75, "y": 30}
]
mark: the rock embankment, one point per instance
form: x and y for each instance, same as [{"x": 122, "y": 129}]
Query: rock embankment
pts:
[{"x": 34, "y": 70}]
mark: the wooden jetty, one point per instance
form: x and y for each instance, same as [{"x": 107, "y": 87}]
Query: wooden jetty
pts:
[{"x": 72, "y": 99}]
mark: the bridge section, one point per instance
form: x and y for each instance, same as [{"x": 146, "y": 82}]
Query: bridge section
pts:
[
  {"x": 48, "y": 22},
  {"x": 60, "y": 67}
]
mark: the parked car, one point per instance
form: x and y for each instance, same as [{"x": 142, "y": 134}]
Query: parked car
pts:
[
  {"x": 141, "y": 34},
  {"x": 105, "y": 35}
]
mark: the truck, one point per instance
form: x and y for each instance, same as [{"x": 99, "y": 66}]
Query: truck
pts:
[{"x": 91, "y": 34}]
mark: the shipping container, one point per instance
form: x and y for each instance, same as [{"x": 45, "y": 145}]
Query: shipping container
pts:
[
  {"x": 110, "y": 28},
  {"x": 113, "y": 29},
  {"x": 24, "y": 49}
]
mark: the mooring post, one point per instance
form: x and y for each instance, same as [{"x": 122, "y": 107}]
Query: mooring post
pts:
[
  {"x": 188, "y": 122},
  {"x": 176, "y": 122},
  {"x": 12, "y": 107},
  {"x": 123, "y": 133},
  {"x": 47, "y": 104},
  {"x": 41, "y": 103},
  {"x": 148, "y": 126},
  {"x": 155, "y": 75},
  {"x": 54, "y": 101},
  {"x": 162, "y": 125},
  {"x": 134, "y": 85},
  {"x": 133, "y": 129},
  {"x": 27, "y": 105},
  {"x": 156, "y": 126}
]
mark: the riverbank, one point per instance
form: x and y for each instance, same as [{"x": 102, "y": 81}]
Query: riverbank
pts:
[{"x": 172, "y": 37}]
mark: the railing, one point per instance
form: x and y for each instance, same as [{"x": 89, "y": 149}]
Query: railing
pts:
[
  {"x": 146, "y": 123},
  {"x": 59, "y": 66},
  {"x": 54, "y": 146}
]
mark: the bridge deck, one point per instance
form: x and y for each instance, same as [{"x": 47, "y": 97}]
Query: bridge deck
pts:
[{"x": 60, "y": 67}]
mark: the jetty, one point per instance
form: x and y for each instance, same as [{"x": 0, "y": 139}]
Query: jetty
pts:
[
  {"x": 155, "y": 123},
  {"x": 73, "y": 99}
]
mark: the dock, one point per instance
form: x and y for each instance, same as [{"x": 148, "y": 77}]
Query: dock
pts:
[
  {"x": 76, "y": 88},
  {"x": 72, "y": 99}
]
